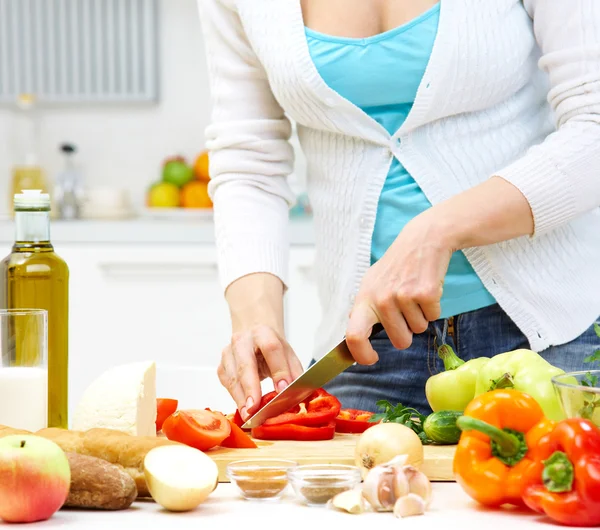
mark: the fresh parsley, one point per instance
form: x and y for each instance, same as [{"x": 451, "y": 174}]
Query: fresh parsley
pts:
[
  {"x": 407, "y": 416},
  {"x": 589, "y": 380},
  {"x": 594, "y": 358}
]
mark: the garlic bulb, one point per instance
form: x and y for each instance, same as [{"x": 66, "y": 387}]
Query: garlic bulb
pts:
[{"x": 387, "y": 484}]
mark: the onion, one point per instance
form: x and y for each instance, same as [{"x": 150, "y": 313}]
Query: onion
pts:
[{"x": 382, "y": 442}]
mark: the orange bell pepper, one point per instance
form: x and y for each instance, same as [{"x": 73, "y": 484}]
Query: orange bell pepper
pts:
[{"x": 493, "y": 461}]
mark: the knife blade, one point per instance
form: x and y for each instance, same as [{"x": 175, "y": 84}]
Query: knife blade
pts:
[{"x": 320, "y": 373}]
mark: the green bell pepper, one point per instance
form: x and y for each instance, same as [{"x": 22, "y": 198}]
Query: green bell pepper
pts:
[
  {"x": 523, "y": 370},
  {"x": 454, "y": 388}
]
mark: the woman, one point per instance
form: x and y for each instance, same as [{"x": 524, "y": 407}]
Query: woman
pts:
[{"x": 453, "y": 169}]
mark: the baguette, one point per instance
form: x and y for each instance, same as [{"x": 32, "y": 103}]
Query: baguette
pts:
[
  {"x": 116, "y": 447},
  {"x": 98, "y": 484}
]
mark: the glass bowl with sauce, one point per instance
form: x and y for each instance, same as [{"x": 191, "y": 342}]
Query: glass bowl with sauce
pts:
[
  {"x": 316, "y": 484},
  {"x": 260, "y": 479}
]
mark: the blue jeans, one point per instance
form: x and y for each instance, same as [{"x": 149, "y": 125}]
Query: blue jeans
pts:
[{"x": 400, "y": 375}]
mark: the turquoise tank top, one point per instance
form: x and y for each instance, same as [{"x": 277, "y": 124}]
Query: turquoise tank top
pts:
[{"x": 381, "y": 75}]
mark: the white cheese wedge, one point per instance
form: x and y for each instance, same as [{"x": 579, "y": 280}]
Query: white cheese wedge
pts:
[{"x": 122, "y": 398}]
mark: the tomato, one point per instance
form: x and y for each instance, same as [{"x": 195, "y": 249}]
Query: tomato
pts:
[
  {"x": 164, "y": 408},
  {"x": 318, "y": 409},
  {"x": 238, "y": 439},
  {"x": 202, "y": 429},
  {"x": 294, "y": 432},
  {"x": 353, "y": 421}
]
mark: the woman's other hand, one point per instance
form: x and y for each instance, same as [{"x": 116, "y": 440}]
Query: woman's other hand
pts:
[
  {"x": 402, "y": 290},
  {"x": 258, "y": 348},
  {"x": 253, "y": 355}
]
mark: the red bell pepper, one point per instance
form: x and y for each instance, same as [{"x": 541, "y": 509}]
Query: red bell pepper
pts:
[
  {"x": 352, "y": 421},
  {"x": 318, "y": 409},
  {"x": 566, "y": 485},
  {"x": 289, "y": 431},
  {"x": 312, "y": 419}
]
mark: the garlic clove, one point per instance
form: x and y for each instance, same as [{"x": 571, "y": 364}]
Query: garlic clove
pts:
[
  {"x": 377, "y": 488},
  {"x": 386, "y": 493},
  {"x": 409, "y": 505},
  {"x": 399, "y": 460},
  {"x": 418, "y": 483},
  {"x": 401, "y": 484},
  {"x": 350, "y": 501}
]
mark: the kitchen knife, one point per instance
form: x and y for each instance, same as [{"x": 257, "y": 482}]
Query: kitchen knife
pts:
[{"x": 319, "y": 374}]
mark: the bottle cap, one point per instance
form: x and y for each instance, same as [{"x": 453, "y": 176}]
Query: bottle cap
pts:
[{"x": 32, "y": 200}]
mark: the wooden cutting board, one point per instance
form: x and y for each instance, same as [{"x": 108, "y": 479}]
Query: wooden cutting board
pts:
[{"x": 437, "y": 464}]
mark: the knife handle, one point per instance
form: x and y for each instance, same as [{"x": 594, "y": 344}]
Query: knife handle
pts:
[{"x": 377, "y": 328}]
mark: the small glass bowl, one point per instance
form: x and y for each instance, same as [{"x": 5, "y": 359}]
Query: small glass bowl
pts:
[
  {"x": 579, "y": 394},
  {"x": 316, "y": 484},
  {"x": 260, "y": 479}
]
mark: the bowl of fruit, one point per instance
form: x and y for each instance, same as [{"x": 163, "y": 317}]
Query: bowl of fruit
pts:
[{"x": 182, "y": 190}]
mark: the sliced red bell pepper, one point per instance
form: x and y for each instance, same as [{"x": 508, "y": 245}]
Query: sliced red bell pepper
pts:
[
  {"x": 352, "y": 421},
  {"x": 294, "y": 432},
  {"x": 566, "y": 483},
  {"x": 318, "y": 409}
]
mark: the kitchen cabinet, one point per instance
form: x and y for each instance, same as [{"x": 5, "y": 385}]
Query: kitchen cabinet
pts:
[{"x": 164, "y": 302}]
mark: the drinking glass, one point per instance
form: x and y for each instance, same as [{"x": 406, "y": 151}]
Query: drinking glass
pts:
[{"x": 24, "y": 368}]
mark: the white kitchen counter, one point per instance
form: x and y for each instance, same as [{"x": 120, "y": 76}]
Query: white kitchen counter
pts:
[
  {"x": 147, "y": 231},
  {"x": 451, "y": 508}
]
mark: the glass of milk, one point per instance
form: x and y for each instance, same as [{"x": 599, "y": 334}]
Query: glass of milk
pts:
[{"x": 24, "y": 368}]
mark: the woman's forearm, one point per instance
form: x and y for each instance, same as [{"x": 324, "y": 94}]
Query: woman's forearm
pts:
[
  {"x": 256, "y": 299},
  {"x": 489, "y": 213}
]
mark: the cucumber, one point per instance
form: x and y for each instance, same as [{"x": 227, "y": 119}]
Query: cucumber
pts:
[{"x": 440, "y": 427}]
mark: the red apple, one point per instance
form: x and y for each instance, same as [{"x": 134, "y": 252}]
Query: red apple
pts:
[{"x": 34, "y": 478}]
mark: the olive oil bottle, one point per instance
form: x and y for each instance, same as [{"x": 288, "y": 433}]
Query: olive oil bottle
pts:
[{"x": 33, "y": 276}]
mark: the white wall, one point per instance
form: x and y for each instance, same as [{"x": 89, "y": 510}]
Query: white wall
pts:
[
  {"x": 4, "y": 160},
  {"x": 124, "y": 146}
]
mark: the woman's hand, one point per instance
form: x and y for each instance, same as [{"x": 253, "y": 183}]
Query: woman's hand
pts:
[
  {"x": 402, "y": 290},
  {"x": 258, "y": 348},
  {"x": 254, "y": 355}
]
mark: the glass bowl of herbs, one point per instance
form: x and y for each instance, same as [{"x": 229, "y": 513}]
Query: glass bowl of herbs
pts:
[{"x": 579, "y": 394}]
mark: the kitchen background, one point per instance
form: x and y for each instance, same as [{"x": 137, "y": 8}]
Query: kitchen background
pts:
[{"x": 125, "y": 82}]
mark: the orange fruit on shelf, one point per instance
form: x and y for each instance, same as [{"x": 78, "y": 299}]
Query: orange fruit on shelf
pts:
[
  {"x": 195, "y": 195},
  {"x": 201, "y": 167}
]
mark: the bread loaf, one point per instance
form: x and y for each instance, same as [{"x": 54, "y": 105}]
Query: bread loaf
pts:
[
  {"x": 116, "y": 447},
  {"x": 98, "y": 484}
]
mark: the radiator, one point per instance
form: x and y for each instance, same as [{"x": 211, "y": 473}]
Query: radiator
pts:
[{"x": 79, "y": 51}]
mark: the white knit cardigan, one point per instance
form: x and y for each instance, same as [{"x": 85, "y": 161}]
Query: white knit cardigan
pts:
[{"x": 512, "y": 89}]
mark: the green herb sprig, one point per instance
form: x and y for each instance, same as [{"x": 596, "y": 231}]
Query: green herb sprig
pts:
[{"x": 406, "y": 416}]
